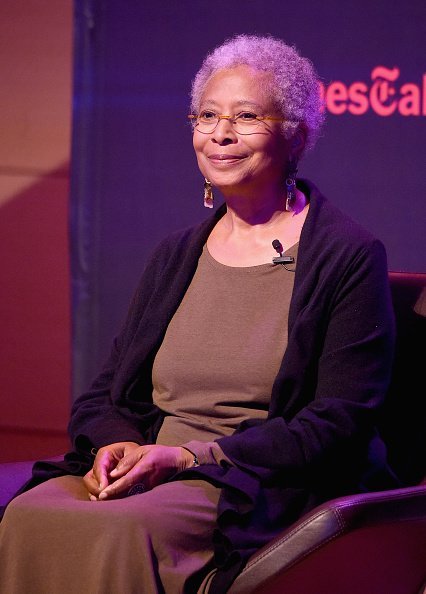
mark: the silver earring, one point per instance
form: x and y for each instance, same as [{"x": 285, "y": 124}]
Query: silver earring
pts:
[
  {"x": 208, "y": 194},
  {"x": 290, "y": 184}
]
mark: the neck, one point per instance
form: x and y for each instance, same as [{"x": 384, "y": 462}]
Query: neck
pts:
[{"x": 245, "y": 212}]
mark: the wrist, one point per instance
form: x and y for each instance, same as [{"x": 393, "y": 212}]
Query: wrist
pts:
[{"x": 191, "y": 459}]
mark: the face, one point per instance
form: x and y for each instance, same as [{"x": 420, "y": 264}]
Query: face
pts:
[{"x": 237, "y": 162}]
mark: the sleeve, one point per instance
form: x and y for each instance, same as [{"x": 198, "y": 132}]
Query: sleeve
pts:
[
  {"x": 96, "y": 420},
  {"x": 207, "y": 452},
  {"x": 352, "y": 376}
]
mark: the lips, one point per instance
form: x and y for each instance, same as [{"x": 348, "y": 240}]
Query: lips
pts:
[{"x": 225, "y": 157}]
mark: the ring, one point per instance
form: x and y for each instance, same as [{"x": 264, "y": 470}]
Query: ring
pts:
[{"x": 136, "y": 489}]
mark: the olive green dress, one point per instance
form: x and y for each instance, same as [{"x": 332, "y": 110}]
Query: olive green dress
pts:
[{"x": 215, "y": 368}]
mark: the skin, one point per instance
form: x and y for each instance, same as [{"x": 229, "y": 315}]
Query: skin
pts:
[
  {"x": 249, "y": 170},
  {"x": 252, "y": 183},
  {"x": 119, "y": 466}
]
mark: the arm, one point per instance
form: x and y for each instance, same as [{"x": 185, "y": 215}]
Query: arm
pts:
[
  {"x": 95, "y": 419},
  {"x": 352, "y": 376},
  {"x": 101, "y": 416}
]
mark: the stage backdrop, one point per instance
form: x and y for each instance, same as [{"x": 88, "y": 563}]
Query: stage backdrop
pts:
[{"x": 134, "y": 176}]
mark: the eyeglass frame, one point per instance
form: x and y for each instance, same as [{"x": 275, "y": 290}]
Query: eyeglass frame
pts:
[{"x": 233, "y": 120}]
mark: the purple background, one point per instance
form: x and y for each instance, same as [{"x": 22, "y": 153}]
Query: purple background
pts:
[{"x": 134, "y": 175}]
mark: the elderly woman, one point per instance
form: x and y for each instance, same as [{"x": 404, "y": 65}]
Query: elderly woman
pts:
[{"x": 245, "y": 384}]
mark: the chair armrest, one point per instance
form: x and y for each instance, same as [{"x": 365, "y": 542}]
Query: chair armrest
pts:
[
  {"x": 13, "y": 475},
  {"x": 373, "y": 542}
]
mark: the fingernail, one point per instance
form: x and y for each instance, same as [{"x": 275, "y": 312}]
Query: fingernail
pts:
[
  {"x": 114, "y": 472},
  {"x": 103, "y": 495}
]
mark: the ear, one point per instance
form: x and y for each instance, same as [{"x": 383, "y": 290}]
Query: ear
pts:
[{"x": 298, "y": 142}]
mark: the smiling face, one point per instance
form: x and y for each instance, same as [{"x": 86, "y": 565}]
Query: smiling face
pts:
[{"x": 241, "y": 162}]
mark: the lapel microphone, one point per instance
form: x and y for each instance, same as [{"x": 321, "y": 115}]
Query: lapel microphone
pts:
[{"x": 276, "y": 244}]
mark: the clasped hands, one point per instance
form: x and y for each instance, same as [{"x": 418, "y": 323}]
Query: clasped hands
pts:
[{"x": 119, "y": 466}]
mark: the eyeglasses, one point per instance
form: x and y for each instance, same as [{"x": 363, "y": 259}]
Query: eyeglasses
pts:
[{"x": 243, "y": 123}]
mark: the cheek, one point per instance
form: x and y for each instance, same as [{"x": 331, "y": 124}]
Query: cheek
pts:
[
  {"x": 198, "y": 149},
  {"x": 276, "y": 153},
  {"x": 198, "y": 142}
]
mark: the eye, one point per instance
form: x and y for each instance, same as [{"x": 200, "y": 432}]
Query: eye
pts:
[
  {"x": 207, "y": 115},
  {"x": 246, "y": 116}
]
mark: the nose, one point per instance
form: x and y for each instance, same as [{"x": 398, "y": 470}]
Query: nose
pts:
[{"x": 224, "y": 132}]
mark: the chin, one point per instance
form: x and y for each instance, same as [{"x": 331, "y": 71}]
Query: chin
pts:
[
  {"x": 231, "y": 179},
  {"x": 226, "y": 186}
]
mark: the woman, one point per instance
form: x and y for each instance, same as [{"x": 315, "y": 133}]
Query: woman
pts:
[{"x": 240, "y": 392}]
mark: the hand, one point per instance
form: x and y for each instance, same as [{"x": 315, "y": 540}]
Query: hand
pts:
[
  {"x": 148, "y": 464},
  {"x": 106, "y": 460}
]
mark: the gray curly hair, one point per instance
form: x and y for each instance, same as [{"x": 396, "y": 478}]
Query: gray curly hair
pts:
[{"x": 294, "y": 87}]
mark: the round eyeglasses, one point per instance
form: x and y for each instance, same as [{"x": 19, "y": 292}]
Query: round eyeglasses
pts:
[{"x": 243, "y": 123}]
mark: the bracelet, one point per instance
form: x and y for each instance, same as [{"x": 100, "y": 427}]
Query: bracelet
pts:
[{"x": 195, "y": 461}]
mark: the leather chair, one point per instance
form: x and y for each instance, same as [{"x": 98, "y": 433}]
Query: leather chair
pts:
[{"x": 370, "y": 543}]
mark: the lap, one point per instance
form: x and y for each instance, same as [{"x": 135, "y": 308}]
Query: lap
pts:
[
  {"x": 152, "y": 542},
  {"x": 177, "y": 507}
]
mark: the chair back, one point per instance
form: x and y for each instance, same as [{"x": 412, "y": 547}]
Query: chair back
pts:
[{"x": 403, "y": 422}]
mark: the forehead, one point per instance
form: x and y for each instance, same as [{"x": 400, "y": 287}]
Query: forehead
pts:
[{"x": 237, "y": 86}]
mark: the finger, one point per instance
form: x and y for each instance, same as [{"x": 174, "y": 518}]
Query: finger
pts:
[
  {"x": 91, "y": 483},
  {"x": 115, "y": 489},
  {"x": 102, "y": 466},
  {"x": 125, "y": 465},
  {"x": 122, "y": 486}
]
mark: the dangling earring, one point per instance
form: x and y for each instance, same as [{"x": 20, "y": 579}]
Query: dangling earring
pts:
[
  {"x": 290, "y": 184},
  {"x": 208, "y": 194}
]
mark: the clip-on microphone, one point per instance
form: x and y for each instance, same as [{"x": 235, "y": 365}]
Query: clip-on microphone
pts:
[{"x": 276, "y": 244}]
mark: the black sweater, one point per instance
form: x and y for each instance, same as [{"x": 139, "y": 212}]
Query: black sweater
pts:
[{"x": 318, "y": 441}]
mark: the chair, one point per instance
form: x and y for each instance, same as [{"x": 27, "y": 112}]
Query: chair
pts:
[{"x": 371, "y": 543}]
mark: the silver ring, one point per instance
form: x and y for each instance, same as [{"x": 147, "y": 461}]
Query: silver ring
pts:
[{"x": 136, "y": 489}]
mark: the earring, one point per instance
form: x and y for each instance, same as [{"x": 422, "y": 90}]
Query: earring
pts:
[
  {"x": 208, "y": 194},
  {"x": 290, "y": 184}
]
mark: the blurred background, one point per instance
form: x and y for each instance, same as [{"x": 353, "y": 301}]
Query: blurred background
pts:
[
  {"x": 36, "y": 45},
  {"x": 96, "y": 163}
]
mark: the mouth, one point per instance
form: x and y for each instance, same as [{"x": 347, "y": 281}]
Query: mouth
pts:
[{"x": 225, "y": 158}]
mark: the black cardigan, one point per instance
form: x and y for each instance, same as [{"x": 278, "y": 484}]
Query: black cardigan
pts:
[{"x": 318, "y": 441}]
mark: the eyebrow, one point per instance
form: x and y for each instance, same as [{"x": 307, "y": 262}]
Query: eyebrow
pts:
[{"x": 238, "y": 103}]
